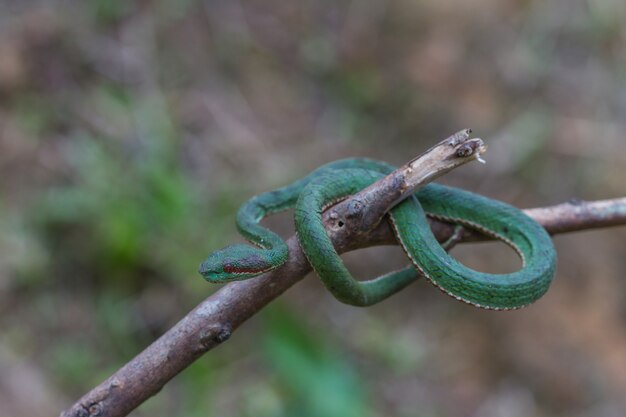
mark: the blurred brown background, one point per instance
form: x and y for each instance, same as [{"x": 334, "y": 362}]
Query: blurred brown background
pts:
[{"x": 130, "y": 132}]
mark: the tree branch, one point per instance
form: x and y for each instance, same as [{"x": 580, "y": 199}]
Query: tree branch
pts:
[{"x": 213, "y": 321}]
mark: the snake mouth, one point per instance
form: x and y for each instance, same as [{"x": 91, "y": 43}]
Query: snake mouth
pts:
[{"x": 209, "y": 272}]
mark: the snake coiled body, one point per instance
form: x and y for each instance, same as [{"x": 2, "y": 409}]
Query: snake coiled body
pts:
[{"x": 332, "y": 182}]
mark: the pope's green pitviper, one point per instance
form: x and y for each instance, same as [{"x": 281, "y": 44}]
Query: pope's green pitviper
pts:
[{"x": 329, "y": 183}]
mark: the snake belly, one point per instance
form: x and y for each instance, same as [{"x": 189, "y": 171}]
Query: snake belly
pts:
[{"x": 409, "y": 221}]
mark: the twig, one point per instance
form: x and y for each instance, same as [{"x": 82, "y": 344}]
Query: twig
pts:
[{"x": 213, "y": 321}]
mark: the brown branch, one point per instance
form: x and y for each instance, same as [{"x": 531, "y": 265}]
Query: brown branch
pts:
[{"x": 213, "y": 321}]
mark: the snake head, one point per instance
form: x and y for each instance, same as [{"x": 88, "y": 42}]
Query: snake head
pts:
[{"x": 235, "y": 263}]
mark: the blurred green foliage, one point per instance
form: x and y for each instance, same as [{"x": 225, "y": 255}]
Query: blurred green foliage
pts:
[
  {"x": 319, "y": 380},
  {"x": 120, "y": 202}
]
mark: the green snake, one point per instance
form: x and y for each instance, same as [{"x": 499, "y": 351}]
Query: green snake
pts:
[{"x": 332, "y": 182}]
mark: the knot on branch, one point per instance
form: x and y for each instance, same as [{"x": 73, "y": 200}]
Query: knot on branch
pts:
[{"x": 214, "y": 336}]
